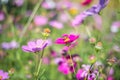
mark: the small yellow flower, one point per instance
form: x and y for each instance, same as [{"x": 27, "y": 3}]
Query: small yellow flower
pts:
[{"x": 73, "y": 11}]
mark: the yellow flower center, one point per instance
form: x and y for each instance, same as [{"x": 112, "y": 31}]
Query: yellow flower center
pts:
[
  {"x": 70, "y": 61},
  {"x": 66, "y": 39}
]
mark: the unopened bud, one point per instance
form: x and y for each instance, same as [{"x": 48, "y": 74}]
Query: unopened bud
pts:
[
  {"x": 11, "y": 71},
  {"x": 98, "y": 46},
  {"x": 92, "y": 59},
  {"x": 46, "y": 32},
  {"x": 92, "y": 40}
]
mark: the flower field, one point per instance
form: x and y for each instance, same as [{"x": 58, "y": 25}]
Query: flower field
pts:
[{"x": 59, "y": 39}]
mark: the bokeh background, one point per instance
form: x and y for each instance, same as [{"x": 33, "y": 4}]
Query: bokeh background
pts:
[{"x": 15, "y": 16}]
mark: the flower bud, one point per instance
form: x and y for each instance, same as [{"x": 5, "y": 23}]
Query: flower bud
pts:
[
  {"x": 11, "y": 71},
  {"x": 98, "y": 46},
  {"x": 92, "y": 40},
  {"x": 92, "y": 59},
  {"x": 46, "y": 32}
]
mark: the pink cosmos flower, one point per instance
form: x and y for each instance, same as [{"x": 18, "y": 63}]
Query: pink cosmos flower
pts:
[
  {"x": 40, "y": 20},
  {"x": 67, "y": 38},
  {"x": 3, "y": 75},
  {"x": 66, "y": 65},
  {"x": 35, "y": 46},
  {"x": 56, "y": 24},
  {"x": 63, "y": 68},
  {"x": 79, "y": 74}
]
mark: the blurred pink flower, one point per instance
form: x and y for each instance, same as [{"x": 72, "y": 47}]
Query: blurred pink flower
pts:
[
  {"x": 56, "y": 24},
  {"x": 2, "y": 16},
  {"x": 49, "y": 4},
  {"x": 46, "y": 60},
  {"x": 86, "y": 2},
  {"x": 67, "y": 39},
  {"x": 64, "y": 4},
  {"x": 63, "y": 17},
  {"x": 40, "y": 20},
  {"x": 18, "y": 2},
  {"x": 79, "y": 74},
  {"x": 98, "y": 21},
  {"x": 3, "y": 75},
  {"x": 110, "y": 78},
  {"x": 63, "y": 68},
  {"x": 115, "y": 26}
]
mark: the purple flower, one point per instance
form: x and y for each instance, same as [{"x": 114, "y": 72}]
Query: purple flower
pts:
[
  {"x": 3, "y": 75},
  {"x": 93, "y": 10},
  {"x": 56, "y": 24},
  {"x": 40, "y": 20},
  {"x": 85, "y": 73},
  {"x": 35, "y": 46},
  {"x": 10, "y": 45}
]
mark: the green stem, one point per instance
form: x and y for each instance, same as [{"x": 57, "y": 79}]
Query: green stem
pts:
[
  {"x": 72, "y": 62},
  {"x": 40, "y": 63},
  {"x": 30, "y": 19}
]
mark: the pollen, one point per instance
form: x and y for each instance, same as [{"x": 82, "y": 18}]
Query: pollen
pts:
[
  {"x": 47, "y": 30},
  {"x": 66, "y": 39}
]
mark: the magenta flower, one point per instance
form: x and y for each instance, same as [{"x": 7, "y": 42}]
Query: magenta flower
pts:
[
  {"x": 3, "y": 75},
  {"x": 93, "y": 10},
  {"x": 40, "y": 20},
  {"x": 79, "y": 74},
  {"x": 66, "y": 65},
  {"x": 35, "y": 46},
  {"x": 110, "y": 78},
  {"x": 64, "y": 68},
  {"x": 56, "y": 24},
  {"x": 67, "y": 39},
  {"x": 86, "y": 2}
]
